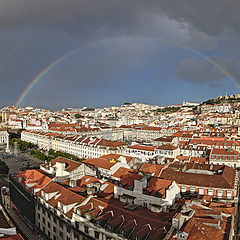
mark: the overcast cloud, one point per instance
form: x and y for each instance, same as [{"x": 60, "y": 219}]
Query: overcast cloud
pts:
[
  {"x": 36, "y": 32},
  {"x": 199, "y": 70}
]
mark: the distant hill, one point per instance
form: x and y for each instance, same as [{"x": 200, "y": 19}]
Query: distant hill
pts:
[{"x": 223, "y": 99}]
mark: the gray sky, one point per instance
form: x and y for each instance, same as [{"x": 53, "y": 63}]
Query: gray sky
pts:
[{"x": 34, "y": 33}]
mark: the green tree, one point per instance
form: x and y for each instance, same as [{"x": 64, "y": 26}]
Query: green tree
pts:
[
  {"x": 19, "y": 132},
  {"x": 4, "y": 169},
  {"x": 77, "y": 115}
]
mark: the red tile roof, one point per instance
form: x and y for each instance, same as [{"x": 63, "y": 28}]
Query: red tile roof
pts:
[
  {"x": 99, "y": 162},
  {"x": 143, "y": 148},
  {"x": 153, "y": 169},
  {"x": 167, "y": 147},
  {"x": 229, "y": 152},
  {"x": 70, "y": 164}
]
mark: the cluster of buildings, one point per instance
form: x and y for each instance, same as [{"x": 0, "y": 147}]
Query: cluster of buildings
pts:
[
  {"x": 117, "y": 197},
  {"x": 144, "y": 173}
]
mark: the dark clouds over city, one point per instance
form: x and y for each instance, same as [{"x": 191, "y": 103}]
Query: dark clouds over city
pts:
[{"x": 129, "y": 44}]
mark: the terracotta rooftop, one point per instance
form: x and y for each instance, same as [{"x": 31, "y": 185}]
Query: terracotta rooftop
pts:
[{"x": 99, "y": 162}]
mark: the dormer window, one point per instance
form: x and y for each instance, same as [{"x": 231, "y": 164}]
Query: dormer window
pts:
[{"x": 61, "y": 207}]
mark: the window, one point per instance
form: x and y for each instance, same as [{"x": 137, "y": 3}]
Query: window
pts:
[
  {"x": 183, "y": 189},
  {"x": 86, "y": 229},
  {"x": 68, "y": 229},
  {"x": 61, "y": 224},
  {"x": 54, "y": 229},
  {"x": 96, "y": 234},
  {"x": 229, "y": 194},
  {"x": 61, "y": 234},
  {"x": 192, "y": 189},
  {"x": 76, "y": 235},
  {"x": 210, "y": 192},
  {"x": 201, "y": 191},
  {"x": 77, "y": 225},
  {"x": 220, "y": 193},
  {"x": 48, "y": 224},
  {"x": 54, "y": 220}
]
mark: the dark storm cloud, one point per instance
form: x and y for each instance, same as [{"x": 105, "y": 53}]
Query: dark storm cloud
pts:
[
  {"x": 34, "y": 33},
  {"x": 208, "y": 16},
  {"x": 200, "y": 70},
  {"x": 82, "y": 16}
]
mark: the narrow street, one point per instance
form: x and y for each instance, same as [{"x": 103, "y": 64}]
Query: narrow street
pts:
[{"x": 27, "y": 232}]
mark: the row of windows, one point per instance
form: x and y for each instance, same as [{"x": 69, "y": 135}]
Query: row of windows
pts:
[
  {"x": 54, "y": 228},
  {"x": 224, "y": 157},
  {"x": 201, "y": 191},
  {"x": 139, "y": 151}
]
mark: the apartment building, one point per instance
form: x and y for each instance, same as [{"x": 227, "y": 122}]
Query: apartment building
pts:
[
  {"x": 63, "y": 169},
  {"x": 165, "y": 140},
  {"x": 193, "y": 150},
  {"x": 82, "y": 147},
  {"x": 216, "y": 181},
  {"x": 197, "y": 220},
  {"x": 167, "y": 150},
  {"x": 142, "y": 152},
  {"x": 153, "y": 193},
  {"x": 4, "y": 136},
  {"x": 61, "y": 213},
  {"x": 227, "y": 157},
  {"x": 215, "y": 142}
]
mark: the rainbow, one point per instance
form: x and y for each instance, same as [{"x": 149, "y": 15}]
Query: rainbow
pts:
[{"x": 46, "y": 70}]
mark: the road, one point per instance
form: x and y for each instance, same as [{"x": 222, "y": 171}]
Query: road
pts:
[
  {"x": 16, "y": 163},
  {"x": 21, "y": 224}
]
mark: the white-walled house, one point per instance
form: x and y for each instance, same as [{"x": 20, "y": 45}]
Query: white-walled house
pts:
[
  {"x": 141, "y": 151},
  {"x": 155, "y": 194},
  {"x": 167, "y": 150},
  {"x": 65, "y": 169}
]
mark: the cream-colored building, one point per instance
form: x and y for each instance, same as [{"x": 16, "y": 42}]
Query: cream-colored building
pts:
[{"x": 82, "y": 147}]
